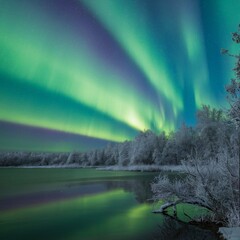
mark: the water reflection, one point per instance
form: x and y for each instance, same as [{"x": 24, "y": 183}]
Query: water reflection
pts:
[
  {"x": 110, "y": 209},
  {"x": 140, "y": 187},
  {"x": 175, "y": 230}
]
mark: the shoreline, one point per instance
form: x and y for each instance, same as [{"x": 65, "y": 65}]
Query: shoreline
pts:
[{"x": 133, "y": 168}]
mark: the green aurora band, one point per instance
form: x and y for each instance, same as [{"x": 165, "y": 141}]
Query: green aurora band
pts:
[
  {"x": 132, "y": 38},
  {"x": 53, "y": 77}
]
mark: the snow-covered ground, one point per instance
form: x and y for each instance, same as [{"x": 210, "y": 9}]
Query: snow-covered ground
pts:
[
  {"x": 141, "y": 168},
  {"x": 144, "y": 168},
  {"x": 47, "y": 166},
  {"x": 230, "y": 233}
]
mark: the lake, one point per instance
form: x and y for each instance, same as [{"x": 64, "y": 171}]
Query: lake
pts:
[{"x": 84, "y": 204}]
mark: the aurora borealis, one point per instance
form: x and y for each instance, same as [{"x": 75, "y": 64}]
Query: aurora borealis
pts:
[{"x": 103, "y": 70}]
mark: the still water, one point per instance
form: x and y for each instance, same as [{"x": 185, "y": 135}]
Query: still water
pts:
[{"x": 84, "y": 204}]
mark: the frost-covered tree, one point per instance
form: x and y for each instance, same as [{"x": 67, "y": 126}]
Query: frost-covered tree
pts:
[
  {"x": 233, "y": 89},
  {"x": 143, "y": 147},
  {"x": 158, "y": 151},
  {"x": 185, "y": 139},
  {"x": 111, "y": 154},
  {"x": 210, "y": 122},
  {"x": 169, "y": 155},
  {"x": 92, "y": 157},
  {"x": 214, "y": 186},
  {"x": 123, "y": 153}
]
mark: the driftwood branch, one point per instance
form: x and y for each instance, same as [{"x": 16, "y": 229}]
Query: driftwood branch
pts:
[{"x": 167, "y": 205}]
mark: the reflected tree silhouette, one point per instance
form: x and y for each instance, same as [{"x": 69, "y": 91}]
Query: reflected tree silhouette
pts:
[{"x": 174, "y": 230}]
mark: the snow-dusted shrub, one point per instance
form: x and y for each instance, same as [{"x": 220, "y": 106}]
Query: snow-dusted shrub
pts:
[{"x": 214, "y": 185}]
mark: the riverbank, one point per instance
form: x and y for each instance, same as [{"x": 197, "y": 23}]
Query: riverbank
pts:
[
  {"x": 133, "y": 168},
  {"x": 144, "y": 168}
]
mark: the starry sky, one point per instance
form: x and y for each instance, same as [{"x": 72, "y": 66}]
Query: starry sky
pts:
[{"x": 76, "y": 74}]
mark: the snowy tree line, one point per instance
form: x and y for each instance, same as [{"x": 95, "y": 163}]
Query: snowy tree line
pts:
[{"x": 32, "y": 158}]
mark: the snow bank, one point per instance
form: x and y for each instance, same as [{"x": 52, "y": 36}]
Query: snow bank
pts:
[
  {"x": 46, "y": 166},
  {"x": 230, "y": 233},
  {"x": 145, "y": 168}
]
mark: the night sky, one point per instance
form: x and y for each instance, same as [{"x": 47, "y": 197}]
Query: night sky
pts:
[{"x": 75, "y": 74}]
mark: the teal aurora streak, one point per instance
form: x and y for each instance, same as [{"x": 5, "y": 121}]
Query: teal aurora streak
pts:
[{"x": 108, "y": 69}]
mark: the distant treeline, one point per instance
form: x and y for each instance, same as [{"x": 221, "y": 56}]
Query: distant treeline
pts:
[
  {"x": 32, "y": 158},
  {"x": 213, "y": 134}
]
